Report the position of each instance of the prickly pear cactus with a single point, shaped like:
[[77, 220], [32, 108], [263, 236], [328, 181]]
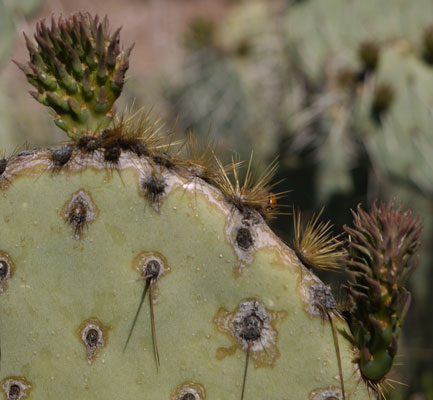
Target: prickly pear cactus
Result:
[[129, 272]]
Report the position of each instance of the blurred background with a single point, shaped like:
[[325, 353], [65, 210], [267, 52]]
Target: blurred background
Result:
[[340, 90]]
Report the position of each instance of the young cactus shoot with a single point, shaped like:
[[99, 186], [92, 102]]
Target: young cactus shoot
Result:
[[78, 69]]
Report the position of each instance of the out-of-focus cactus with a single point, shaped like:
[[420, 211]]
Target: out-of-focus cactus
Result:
[[209, 96], [401, 146], [330, 34], [387, 69]]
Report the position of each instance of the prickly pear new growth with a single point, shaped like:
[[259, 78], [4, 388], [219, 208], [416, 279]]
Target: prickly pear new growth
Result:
[[75, 268], [78, 70], [381, 246]]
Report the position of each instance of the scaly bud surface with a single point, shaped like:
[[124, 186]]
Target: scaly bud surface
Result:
[[78, 69], [381, 245]]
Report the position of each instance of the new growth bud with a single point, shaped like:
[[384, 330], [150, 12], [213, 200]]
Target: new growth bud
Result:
[[78, 70], [381, 247]]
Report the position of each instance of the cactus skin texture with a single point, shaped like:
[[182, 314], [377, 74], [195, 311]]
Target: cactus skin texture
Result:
[[128, 272], [381, 245], [83, 272]]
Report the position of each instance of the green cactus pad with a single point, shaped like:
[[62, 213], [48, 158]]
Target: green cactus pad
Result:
[[76, 242]]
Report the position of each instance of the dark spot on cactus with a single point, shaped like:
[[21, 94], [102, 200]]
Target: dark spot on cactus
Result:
[[139, 148], [89, 143], [93, 334], [151, 266], [6, 270], [250, 327], [3, 165], [115, 140], [164, 160], [237, 201], [14, 392], [25, 153], [249, 330], [61, 156], [15, 388], [189, 391], [198, 172], [153, 269], [77, 216], [79, 212], [244, 239], [324, 304], [92, 337], [249, 218], [329, 393], [112, 154], [322, 299], [154, 188]]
